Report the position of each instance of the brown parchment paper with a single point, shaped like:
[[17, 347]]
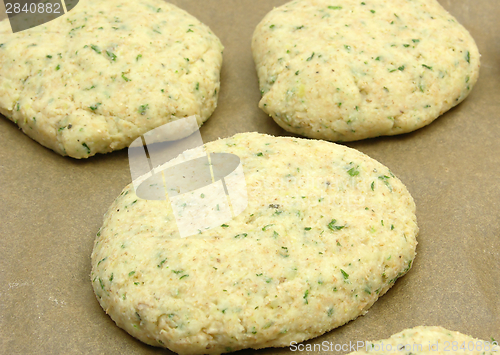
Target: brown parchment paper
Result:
[[51, 208]]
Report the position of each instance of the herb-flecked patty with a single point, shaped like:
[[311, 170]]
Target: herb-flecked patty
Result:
[[327, 231], [349, 70], [94, 80]]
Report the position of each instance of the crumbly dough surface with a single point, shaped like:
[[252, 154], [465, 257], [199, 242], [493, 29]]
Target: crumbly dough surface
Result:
[[429, 341], [327, 231], [97, 78], [349, 70]]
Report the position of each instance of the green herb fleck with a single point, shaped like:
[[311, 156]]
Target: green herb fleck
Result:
[[95, 107], [401, 68], [161, 263], [335, 7], [415, 40], [344, 274], [307, 228], [58, 66], [311, 57], [138, 57], [49, 56], [183, 276], [131, 273], [95, 48], [467, 57], [260, 154], [329, 313], [332, 225], [426, 66], [143, 109], [406, 45], [353, 171], [86, 147], [125, 78], [224, 225], [372, 11], [272, 26], [111, 55], [306, 294], [265, 227]]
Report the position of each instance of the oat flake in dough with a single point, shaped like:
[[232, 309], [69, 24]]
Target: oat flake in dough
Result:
[[349, 70], [327, 231], [94, 80]]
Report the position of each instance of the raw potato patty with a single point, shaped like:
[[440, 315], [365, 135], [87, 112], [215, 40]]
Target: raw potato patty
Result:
[[97, 78], [429, 341], [349, 70], [327, 231]]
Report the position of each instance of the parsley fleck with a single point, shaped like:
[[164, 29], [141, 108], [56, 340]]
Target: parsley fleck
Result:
[[143, 109], [111, 55], [95, 107], [125, 78], [95, 48], [265, 227], [86, 147], [311, 57], [334, 227], [426, 66], [335, 7], [353, 172], [344, 274]]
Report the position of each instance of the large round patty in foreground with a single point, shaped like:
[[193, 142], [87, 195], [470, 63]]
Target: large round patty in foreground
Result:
[[327, 231], [94, 80], [349, 70], [429, 341]]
